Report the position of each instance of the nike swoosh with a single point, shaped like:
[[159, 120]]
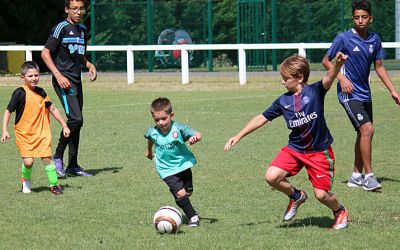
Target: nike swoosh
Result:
[[320, 176], [287, 106]]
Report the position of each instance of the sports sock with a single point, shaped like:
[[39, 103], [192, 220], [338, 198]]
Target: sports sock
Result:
[[26, 172], [341, 208], [356, 175], [368, 175], [51, 174], [296, 195], [186, 206]]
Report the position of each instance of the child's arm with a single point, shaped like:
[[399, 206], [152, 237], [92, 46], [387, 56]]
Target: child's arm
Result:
[[384, 76], [195, 138], [149, 150], [255, 123], [54, 111], [333, 71], [48, 60], [6, 119], [345, 84], [91, 68]]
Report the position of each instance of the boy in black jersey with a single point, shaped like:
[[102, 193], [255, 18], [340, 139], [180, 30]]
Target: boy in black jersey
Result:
[[64, 55]]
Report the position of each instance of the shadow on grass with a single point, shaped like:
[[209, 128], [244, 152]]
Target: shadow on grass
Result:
[[207, 220], [94, 172], [322, 222], [383, 179], [47, 189]]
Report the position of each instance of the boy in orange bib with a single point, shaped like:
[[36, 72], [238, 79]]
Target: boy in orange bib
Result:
[[32, 126]]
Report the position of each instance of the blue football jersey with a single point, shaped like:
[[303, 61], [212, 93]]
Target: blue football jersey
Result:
[[172, 156], [304, 115], [361, 54]]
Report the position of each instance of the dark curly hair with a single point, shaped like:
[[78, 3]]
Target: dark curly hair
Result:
[[362, 5]]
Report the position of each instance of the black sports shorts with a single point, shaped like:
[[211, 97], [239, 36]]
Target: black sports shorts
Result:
[[179, 181], [358, 112]]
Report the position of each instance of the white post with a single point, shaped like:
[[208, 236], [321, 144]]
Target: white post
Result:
[[397, 27], [302, 50], [185, 66], [130, 66], [242, 66], [28, 54]]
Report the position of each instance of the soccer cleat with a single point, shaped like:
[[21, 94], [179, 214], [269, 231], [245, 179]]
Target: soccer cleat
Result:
[[56, 190], [26, 186], [371, 184], [60, 168], [194, 221], [342, 219], [77, 171], [355, 182], [291, 209]]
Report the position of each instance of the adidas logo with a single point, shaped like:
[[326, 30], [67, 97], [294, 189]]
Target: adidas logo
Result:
[[72, 33], [356, 49]]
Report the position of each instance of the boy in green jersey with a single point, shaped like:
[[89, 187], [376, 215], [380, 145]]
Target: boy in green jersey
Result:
[[173, 159]]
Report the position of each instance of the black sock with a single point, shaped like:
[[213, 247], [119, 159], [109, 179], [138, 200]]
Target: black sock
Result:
[[296, 195], [186, 206], [341, 208]]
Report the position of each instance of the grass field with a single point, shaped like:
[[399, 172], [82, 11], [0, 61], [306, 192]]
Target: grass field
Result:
[[114, 209]]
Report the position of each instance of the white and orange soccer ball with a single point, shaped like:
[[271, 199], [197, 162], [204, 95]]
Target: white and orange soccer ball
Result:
[[167, 220]]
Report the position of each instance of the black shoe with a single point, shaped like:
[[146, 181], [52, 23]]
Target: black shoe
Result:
[[77, 171], [56, 190]]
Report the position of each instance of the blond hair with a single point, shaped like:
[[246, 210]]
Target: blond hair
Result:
[[295, 66]]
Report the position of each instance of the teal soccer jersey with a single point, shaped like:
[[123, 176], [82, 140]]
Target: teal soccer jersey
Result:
[[172, 156]]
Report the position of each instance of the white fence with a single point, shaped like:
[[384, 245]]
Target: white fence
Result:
[[241, 48]]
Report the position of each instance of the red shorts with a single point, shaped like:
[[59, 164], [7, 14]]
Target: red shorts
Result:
[[319, 165]]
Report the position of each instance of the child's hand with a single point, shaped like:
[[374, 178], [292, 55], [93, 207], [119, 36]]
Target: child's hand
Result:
[[192, 140], [230, 143], [66, 131], [93, 73], [5, 137], [149, 155], [340, 59]]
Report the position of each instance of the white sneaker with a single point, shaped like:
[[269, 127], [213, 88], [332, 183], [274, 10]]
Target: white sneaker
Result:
[[371, 184], [355, 182], [26, 186], [194, 221]]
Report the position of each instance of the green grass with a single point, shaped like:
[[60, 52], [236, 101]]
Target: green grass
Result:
[[114, 209]]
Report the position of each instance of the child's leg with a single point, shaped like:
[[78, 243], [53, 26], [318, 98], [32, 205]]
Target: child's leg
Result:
[[27, 168], [27, 174], [181, 186], [327, 198], [50, 169], [276, 178], [183, 201], [286, 163]]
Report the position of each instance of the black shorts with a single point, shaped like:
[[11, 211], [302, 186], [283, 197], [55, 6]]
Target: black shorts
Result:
[[358, 112], [179, 181]]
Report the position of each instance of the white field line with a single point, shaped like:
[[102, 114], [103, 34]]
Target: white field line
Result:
[[185, 101]]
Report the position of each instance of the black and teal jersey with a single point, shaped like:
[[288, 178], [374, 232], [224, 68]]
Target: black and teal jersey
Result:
[[67, 44]]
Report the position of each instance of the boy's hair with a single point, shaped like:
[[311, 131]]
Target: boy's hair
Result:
[[68, 1], [294, 66], [27, 66], [362, 5], [161, 104]]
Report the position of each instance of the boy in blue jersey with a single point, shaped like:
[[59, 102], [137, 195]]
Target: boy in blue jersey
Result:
[[309, 142], [363, 48], [173, 159], [64, 55]]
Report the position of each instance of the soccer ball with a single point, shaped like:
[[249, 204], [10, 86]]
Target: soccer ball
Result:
[[167, 220]]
